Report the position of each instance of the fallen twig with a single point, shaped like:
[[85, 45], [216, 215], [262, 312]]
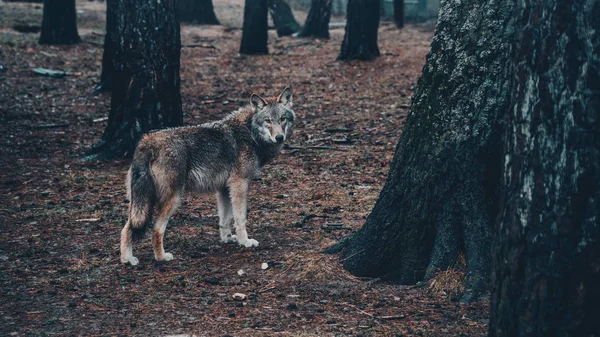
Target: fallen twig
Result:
[[335, 130], [331, 226], [50, 126], [101, 119], [200, 45], [88, 220], [314, 147]]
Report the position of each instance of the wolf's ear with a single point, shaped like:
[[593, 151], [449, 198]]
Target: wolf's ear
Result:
[[285, 97], [257, 102]]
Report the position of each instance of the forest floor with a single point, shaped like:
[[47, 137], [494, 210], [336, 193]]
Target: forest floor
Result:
[[60, 217]]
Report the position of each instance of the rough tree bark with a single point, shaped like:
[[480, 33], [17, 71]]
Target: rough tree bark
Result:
[[59, 23], [283, 18], [110, 41], [317, 22], [199, 12], [441, 195], [362, 23], [255, 30], [146, 83], [399, 13], [546, 279]]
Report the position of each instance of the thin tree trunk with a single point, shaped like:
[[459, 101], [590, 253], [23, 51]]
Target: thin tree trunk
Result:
[[360, 39], [110, 41], [546, 279], [317, 22], [146, 83], [399, 13], [59, 23], [441, 195], [201, 12], [255, 30], [283, 18]]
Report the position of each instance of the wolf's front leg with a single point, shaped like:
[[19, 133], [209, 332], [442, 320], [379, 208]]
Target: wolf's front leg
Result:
[[239, 200], [225, 216]]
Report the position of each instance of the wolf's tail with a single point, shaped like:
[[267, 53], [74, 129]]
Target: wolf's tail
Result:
[[142, 195]]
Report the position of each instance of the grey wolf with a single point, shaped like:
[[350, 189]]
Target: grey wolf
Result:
[[220, 157]]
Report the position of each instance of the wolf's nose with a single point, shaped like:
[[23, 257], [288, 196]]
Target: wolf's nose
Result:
[[279, 138]]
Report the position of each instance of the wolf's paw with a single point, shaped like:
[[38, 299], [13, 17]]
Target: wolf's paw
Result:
[[249, 243], [132, 260], [166, 257], [229, 239]]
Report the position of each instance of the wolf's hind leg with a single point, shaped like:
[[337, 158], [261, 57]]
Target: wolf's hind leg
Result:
[[165, 210], [225, 215], [126, 246], [239, 201]]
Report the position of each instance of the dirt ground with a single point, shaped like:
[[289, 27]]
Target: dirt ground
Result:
[[60, 217]]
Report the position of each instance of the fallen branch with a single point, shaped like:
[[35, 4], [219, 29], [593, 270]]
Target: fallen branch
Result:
[[336, 130], [50, 126], [314, 147], [200, 45], [330, 226], [88, 220]]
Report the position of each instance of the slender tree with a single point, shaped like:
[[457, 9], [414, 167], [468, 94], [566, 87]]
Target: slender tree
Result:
[[199, 12], [110, 41], [362, 23], [283, 17], [442, 192], [59, 23], [255, 31], [146, 83], [317, 22], [399, 13], [546, 279]]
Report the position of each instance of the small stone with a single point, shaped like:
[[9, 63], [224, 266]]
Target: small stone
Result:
[[239, 296], [323, 301], [264, 266], [240, 272]]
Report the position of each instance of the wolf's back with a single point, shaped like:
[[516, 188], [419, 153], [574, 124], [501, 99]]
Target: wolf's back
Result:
[[142, 193]]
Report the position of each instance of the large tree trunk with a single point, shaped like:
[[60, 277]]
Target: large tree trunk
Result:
[[362, 23], [317, 22], [546, 279], [59, 23], [146, 94], [110, 41], [399, 13], [283, 18], [199, 12], [441, 195], [255, 31]]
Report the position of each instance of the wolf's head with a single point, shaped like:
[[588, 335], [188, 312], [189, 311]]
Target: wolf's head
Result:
[[273, 117]]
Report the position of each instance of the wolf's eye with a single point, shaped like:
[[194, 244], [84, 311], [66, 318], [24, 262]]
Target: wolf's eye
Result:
[[268, 120], [282, 119]]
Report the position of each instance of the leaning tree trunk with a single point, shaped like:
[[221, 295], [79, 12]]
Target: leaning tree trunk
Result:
[[362, 23], [546, 279], [317, 22], [255, 31], [59, 23], [110, 41], [146, 92], [283, 17], [399, 13], [441, 195], [199, 12]]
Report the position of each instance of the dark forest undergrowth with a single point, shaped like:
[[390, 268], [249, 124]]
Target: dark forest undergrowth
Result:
[[60, 218]]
